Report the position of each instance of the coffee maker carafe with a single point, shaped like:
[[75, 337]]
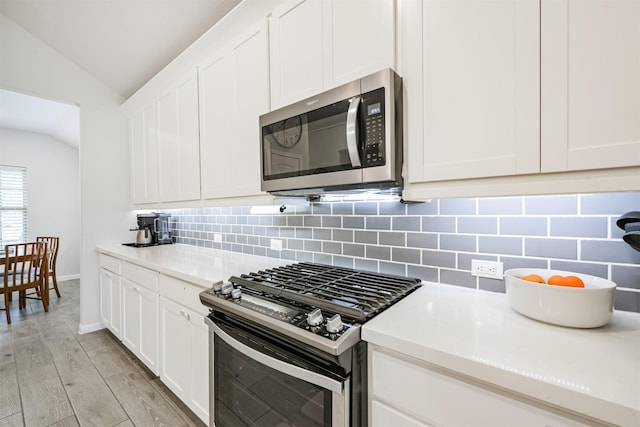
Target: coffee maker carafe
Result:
[[146, 229]]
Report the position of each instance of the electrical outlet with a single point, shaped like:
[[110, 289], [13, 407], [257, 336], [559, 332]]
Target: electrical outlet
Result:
[[276, 244], [490, 269], [217, 238]]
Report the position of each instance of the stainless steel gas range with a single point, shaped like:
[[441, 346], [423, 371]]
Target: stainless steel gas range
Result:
[[285, 347]]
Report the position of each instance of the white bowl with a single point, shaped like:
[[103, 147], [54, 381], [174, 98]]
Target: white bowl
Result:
[[588, 307]]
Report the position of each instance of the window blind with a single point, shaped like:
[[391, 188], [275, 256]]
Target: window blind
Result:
[[13, 205]]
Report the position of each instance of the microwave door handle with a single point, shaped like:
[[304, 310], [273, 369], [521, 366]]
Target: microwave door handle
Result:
[[352, 140]]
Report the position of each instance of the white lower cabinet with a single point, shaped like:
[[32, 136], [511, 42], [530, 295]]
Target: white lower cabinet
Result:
[[161, 320], [184, 351], [110, 294], [111, 301], [406, 392], [140, 314]]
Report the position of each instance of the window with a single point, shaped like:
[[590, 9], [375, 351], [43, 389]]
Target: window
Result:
[[13, 205]]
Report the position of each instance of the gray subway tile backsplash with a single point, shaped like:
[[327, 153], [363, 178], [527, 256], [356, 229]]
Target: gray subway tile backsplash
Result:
[[550, 248], [437, 240], [523, 226], [579, 227], [551, 205], [605, 204]]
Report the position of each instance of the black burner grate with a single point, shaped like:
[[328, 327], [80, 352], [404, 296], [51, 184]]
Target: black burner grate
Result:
[[354, 294]]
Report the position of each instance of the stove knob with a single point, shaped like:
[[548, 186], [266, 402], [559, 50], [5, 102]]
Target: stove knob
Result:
[[227, 288], [314, 318], [236, 294], [217, 287], [334, 324]]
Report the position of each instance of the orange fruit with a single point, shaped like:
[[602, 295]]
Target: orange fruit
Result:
[[574, 282], [556, 280], [533, 278], [569, 281]]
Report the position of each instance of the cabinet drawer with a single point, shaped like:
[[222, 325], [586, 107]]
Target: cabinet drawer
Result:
[[109, 263], [141, 276], [183, 293], [435, 398]]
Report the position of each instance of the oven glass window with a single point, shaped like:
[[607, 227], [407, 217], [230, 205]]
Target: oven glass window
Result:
[[248, 393]]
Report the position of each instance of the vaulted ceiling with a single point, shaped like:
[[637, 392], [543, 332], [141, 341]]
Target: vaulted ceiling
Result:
[[122, 43]]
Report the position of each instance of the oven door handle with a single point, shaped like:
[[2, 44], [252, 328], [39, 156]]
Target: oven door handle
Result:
[[278, 365]]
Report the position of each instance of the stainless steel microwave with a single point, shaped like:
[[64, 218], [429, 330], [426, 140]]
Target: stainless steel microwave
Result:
[[346, 139]]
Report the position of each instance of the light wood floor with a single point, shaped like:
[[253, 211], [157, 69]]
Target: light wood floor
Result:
[[51, 376]]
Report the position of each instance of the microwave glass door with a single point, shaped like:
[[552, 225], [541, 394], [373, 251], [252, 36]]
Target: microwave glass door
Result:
[[327, 139]]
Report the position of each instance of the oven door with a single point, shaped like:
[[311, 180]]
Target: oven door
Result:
[[255, 383]]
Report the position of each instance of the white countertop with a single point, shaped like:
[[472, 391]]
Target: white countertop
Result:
[[200, 266], [595, 372]]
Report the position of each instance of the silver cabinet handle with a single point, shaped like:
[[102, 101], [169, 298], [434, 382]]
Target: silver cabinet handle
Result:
[[278, 365], [352, 140]]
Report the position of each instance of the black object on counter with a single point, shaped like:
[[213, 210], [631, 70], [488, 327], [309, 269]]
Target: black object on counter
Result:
[[630, 223]]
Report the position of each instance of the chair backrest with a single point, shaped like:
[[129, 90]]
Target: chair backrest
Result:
[[24, 265], [52, 247]]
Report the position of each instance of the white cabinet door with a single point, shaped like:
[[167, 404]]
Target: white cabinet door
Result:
[[130, 316], [234, 91], [178, 142], [215, 129], [174, 347], [199, 395], [140, 323], [384, 416], [144, 156], [250, 99], [149, 338], [472, 87], [296, 51], [590, 84], [184, 354], [116, 306], [105, 297], [317, 45], [359, 39]]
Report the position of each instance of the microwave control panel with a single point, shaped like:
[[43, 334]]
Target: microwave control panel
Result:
[[374, 128]]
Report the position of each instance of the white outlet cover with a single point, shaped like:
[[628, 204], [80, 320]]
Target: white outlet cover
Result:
[[217, 238], [276, 244]]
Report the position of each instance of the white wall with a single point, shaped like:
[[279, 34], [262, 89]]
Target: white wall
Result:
[[53, 188], [30, 66]]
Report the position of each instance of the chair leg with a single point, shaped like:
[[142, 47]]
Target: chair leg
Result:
[[6, 307], [55, 282]]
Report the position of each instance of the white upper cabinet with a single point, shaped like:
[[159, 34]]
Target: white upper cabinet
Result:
[[234, 92], [296, 54], [471, 76], [360, 39], [316, 45], [178, 142], [526, 90], [590, 84], [144, 156]]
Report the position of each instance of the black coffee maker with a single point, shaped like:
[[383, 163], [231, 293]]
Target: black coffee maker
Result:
[[146, 229]]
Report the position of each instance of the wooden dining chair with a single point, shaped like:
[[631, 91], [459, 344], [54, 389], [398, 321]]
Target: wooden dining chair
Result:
[[25, 267], [52, 249]]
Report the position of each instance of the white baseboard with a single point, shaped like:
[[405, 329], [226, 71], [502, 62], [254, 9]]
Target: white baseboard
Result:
[[85, 329], [68, 277]]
